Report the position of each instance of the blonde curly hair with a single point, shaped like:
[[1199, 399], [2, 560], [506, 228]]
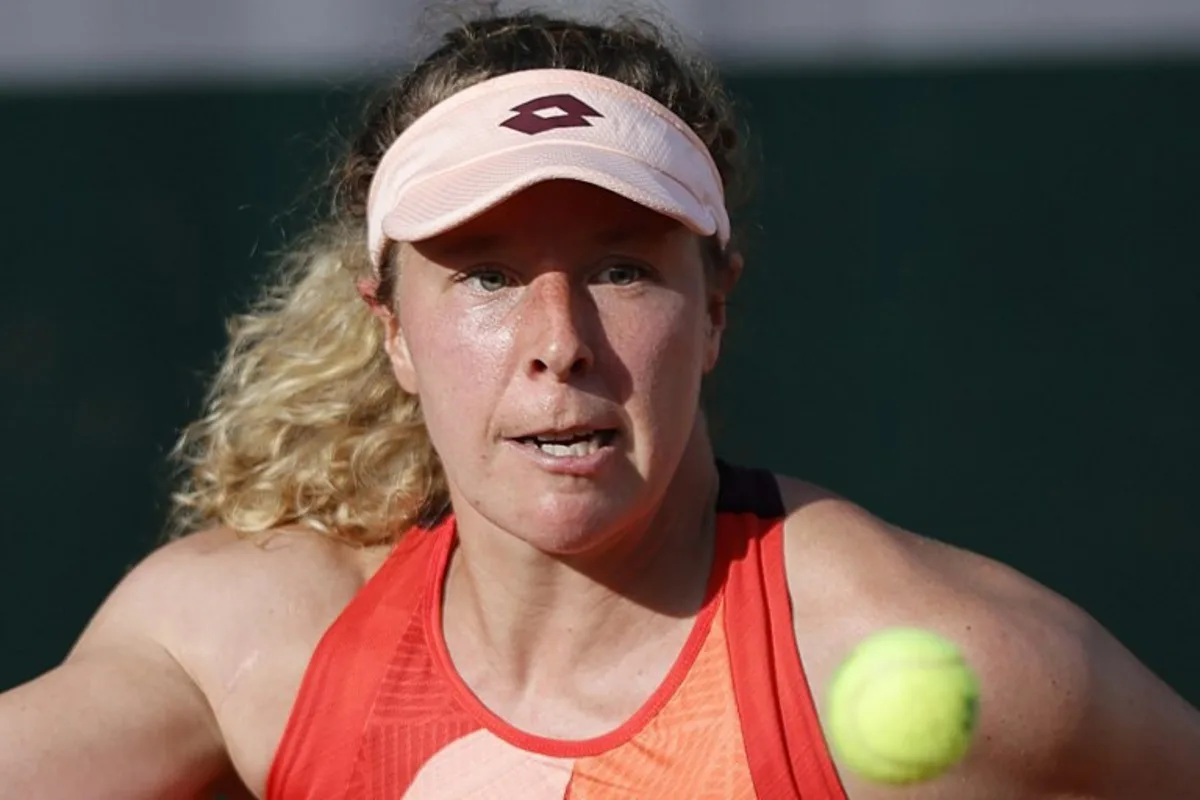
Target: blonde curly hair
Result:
[[304, 423]]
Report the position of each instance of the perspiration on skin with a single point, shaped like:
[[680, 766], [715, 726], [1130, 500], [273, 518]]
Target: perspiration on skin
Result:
[[575, 582]]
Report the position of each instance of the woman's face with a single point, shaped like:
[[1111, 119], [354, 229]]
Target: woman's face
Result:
[[557, 344]]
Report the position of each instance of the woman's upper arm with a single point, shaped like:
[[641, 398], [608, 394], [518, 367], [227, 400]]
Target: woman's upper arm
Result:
[[120, 717], [119, 723], [1135, 737]]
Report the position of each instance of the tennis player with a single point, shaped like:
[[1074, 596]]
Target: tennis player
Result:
[[454, 527]]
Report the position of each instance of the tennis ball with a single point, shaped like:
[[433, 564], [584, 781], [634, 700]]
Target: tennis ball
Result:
[[902, 707]]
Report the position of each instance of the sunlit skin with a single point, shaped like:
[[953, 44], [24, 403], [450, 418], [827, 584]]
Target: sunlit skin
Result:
[[566, 309], [573, 588]]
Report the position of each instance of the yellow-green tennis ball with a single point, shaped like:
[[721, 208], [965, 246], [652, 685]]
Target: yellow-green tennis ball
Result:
[[903, 707]]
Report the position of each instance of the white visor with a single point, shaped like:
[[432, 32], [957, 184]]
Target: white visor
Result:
[[492, 140]]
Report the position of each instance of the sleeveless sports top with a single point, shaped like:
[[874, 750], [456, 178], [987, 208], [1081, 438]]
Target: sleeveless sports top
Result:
[[381, 712]]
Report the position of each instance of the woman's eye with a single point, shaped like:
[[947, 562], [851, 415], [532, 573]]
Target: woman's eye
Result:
[[622, 274], [489, 280]]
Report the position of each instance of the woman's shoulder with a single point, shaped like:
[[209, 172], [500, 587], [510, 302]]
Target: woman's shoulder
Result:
[[214, 597], [850, 573]]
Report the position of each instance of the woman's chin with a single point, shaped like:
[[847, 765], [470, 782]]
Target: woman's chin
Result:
[[572, 524]]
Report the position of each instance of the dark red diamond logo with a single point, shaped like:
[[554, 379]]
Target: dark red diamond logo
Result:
[[550, 113]]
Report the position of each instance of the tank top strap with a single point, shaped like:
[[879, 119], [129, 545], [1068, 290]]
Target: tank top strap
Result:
[[785, 745], [315, 757]]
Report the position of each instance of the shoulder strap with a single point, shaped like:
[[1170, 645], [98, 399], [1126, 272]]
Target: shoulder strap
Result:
[[748, 491], [785, 745], [316, 755]]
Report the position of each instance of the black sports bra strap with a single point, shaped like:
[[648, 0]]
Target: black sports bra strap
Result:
[[748, 491]]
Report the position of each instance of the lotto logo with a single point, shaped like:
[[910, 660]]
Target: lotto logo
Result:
[[550, 113]]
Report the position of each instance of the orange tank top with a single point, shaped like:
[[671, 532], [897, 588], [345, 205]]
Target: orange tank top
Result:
[[381, 712]]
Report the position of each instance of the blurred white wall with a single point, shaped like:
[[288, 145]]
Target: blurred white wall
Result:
[[73, 41]]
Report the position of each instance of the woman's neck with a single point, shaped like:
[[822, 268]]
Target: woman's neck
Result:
[[535, 618]]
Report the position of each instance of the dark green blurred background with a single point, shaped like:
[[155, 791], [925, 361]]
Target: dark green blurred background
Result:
[[971, 305]]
